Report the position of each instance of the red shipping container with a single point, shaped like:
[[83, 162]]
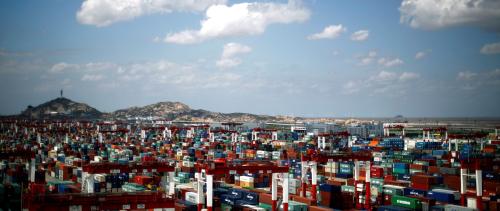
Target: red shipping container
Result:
[[387, 199], [377, 172], [304, 200], [143, 180], [433, 169], [316, 208], [417, 167], [265, 198], [422, 182], [325, 198]]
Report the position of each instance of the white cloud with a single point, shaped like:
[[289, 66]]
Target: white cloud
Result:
[[390, 62], [330, 32], [481, 80], [105, 12], [422, 54], [465, 76], [487, 80], [360, 35], [92, 77], [431, 14], [491, 48], [383, 61], [62, 66], [369, 58], [351, 87], [384, 76], [241, 19], [408, 76], [231, 50], [384, 81], [66, 81]]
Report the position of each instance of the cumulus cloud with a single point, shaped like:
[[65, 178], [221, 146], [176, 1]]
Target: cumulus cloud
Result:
[[382, 82], [62, 66], [489, 80], [466, 76], [351, 87], [422, 54], [491, 48], [231, 50], [390, 62], [92, 77], [106, 12], [360, 35], [431, 14], [157, 73], [368, 59], [241, 19], [373, 56], [384, 76], [408, 76], [329, 32]]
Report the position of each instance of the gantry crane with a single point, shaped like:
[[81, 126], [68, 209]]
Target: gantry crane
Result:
[[310, 161], [209, 169]]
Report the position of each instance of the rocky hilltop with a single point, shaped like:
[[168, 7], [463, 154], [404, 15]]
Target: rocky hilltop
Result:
[[182, 112], [61, 108], [66, 108]]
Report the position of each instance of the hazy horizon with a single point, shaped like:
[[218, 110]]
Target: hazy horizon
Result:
[[341, 58], [335, 117]]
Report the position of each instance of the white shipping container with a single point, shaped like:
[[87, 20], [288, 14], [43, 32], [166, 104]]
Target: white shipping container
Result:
[[262, 154], [100, 177], [97, 158], [471, 202], [192, 197], [451, 207], [294, 183], [331, 167], [187, 163], [255, 208], [75, 208], [246, 179]]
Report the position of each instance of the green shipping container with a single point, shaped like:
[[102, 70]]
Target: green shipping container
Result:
[[226, 207], [413, 171], [268, 207], [296, 206], [346, 171], [347, 188], [406, 202], [400, 171], [377, 181], [393, 190], [420, 162]]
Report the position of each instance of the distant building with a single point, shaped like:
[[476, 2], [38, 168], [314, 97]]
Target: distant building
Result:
[[366, 130]]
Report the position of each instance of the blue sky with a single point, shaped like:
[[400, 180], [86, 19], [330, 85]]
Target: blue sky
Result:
[[302, 58]]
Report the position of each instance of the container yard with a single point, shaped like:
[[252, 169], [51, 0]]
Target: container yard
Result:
[[249, 105], [161, 165]]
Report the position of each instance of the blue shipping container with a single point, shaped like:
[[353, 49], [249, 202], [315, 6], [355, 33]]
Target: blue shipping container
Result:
[[414, 192], [441, 196]]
